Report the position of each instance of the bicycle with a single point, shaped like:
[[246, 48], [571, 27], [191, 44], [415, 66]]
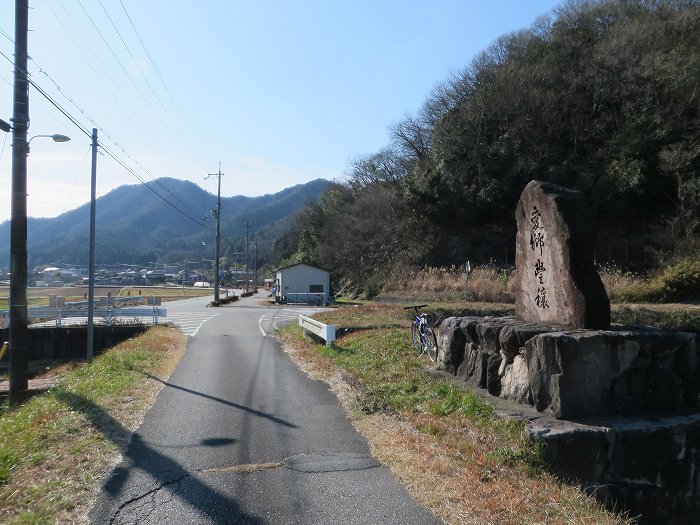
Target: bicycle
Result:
[[422, 335]]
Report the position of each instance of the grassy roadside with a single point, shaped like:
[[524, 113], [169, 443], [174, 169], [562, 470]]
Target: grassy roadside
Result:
[[56, 449], [440, 441], [666, 316]]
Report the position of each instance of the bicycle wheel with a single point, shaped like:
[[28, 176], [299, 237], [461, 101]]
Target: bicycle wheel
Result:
[[416, 338], [430, 346]]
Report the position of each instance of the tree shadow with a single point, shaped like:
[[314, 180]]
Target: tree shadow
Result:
[[168, 474]]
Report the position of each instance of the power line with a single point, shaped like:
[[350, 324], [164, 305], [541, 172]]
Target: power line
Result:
[[130, 170], [4, 143], [126, 72], [155, 68], [36, 103], [60, 108], [110, 138], [47, 97], [145, 78], [89, 63], [75, 182], [140, 128], [74, 121], [3, 33], [77, 124]]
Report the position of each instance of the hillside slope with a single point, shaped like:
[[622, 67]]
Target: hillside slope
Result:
[[134, 225]]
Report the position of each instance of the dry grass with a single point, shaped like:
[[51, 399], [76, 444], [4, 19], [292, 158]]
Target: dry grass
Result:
[[166, 293], [618, 281], [58, 450], [485, 283], [671, 283], [40, 296], [466, 470], [466, 486]]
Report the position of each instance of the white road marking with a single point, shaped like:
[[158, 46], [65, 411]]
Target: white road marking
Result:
[[272, 319], [189, 323]]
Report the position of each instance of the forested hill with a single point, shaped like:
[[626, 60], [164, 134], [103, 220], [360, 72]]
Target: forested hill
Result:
[[600, 96], [134, 225]]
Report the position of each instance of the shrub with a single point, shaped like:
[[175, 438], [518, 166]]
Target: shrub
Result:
[[675, 282], [680, 281]]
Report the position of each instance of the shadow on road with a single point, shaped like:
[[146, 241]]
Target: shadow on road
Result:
[[249, 410], [168, 474]]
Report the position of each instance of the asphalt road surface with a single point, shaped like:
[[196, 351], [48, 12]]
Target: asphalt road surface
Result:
[[239, 435]]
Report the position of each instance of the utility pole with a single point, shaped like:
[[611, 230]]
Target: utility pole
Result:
[[247, 259], [218, 233], [91, 270], [255, 266], [18, 227]]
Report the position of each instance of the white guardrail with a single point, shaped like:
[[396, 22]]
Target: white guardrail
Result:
[[43, 313], [324, 331]]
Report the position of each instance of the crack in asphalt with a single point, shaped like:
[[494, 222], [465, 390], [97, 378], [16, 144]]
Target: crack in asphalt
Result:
[[150, 493], [303, 463]]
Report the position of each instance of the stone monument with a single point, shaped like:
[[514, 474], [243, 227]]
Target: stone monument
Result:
[[629, 395], [555, 280]]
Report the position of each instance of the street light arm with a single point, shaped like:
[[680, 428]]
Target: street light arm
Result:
[[56, 137]]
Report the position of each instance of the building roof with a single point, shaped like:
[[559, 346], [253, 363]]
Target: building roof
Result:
[[300, 264]]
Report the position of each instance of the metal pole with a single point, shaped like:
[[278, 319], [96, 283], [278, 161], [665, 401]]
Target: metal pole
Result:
[[218, 237], [467, 270], [91, 271], [247, 259], [18, 229], [184, 281]]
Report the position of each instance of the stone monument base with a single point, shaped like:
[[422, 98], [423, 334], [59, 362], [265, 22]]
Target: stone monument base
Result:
[[626, 371], [617, 409]]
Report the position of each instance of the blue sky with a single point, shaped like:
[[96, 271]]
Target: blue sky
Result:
[[281, 92]]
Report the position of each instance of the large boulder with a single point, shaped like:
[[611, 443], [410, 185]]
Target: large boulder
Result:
[[603, 373], [515, 382], [451, 343]]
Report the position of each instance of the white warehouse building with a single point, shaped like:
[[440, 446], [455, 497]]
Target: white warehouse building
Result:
[[302, 283]]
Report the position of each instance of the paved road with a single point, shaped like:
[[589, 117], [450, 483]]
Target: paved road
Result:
[[239, 435]]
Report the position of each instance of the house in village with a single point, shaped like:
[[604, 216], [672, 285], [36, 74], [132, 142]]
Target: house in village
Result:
[[302, 283]]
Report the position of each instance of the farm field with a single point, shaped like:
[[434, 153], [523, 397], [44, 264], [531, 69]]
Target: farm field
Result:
[[40, 296]]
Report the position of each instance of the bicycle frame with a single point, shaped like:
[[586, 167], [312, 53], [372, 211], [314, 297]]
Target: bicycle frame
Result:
[[424, 340]]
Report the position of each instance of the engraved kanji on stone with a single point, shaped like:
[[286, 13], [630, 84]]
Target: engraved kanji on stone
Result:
[[541, 298], [537, 241], [535, 218], [539, 270]]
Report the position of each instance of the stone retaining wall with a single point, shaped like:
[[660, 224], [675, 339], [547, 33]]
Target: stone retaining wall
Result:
[[574, 373], [617, 408], [648, 467]]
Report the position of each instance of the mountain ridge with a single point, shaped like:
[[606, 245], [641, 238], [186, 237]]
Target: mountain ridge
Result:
[[134, 225]]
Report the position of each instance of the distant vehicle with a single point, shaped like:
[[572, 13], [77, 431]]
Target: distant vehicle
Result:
[[202, 284]]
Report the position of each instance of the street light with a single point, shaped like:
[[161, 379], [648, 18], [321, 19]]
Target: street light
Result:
[[55, 137], [18, 256]]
